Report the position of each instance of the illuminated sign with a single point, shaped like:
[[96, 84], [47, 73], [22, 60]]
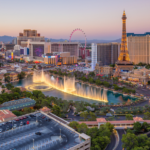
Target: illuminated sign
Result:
[[12, 55]]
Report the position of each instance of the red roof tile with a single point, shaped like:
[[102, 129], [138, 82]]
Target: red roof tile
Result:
[[121, 122], [101, 119], [89, 122], [4, 114], [137, 119]]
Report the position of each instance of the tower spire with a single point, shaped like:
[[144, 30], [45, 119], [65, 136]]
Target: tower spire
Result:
[[124, 54], [123, 63]]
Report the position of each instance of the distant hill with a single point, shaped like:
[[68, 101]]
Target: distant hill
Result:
[[7, 39], [88, 41]]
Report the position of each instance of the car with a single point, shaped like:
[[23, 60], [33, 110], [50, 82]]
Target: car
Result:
[[21, 118], [32, 115], [109, 115], [24, 123], [28, 122], [43, 117], [15, 125], [38, 133], [21, 123], [17, 119], [25, 117], [7, 128], [1, 130]]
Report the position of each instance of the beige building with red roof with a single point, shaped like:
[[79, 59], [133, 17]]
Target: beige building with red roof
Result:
[[45, 110], [6, 115], [118, 124]]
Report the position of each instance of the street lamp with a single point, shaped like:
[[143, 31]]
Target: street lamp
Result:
[[33, 143], [60, 133], [36, 117], [12, 124]]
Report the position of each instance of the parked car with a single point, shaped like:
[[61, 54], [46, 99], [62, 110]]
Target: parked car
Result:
[[7, 128], [109, 115], [48, 119], [32, 115], [15, 125], [21, 123], [1, 130], [38, 133]]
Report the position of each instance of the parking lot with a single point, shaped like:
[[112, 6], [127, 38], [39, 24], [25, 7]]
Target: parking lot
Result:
[[38, 131]]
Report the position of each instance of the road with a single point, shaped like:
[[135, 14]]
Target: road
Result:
[[120, 133], [113, 141], [111, 145], [77, 118]]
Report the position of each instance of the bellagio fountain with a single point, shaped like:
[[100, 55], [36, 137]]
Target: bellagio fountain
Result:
[[45, 82]]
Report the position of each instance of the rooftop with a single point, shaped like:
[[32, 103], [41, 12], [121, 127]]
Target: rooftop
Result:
[[132, 34], [18, 104], [5, 114], [54, 135]]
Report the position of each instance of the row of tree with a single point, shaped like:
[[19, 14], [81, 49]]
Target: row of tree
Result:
[[21, 75], [132, 140], [58, 106], [124, 89]]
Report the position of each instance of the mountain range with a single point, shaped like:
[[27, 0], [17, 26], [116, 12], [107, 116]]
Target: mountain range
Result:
[[8, 39]]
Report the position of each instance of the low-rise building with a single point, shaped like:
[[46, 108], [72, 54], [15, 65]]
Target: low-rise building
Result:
[[13, 76], [59, 58], [118, 124], [103, 70], [18, 104], [6, 115], [137, 75], [45, 110]]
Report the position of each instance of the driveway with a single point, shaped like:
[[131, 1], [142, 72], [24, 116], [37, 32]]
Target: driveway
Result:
[[111, 145], [120, 133]]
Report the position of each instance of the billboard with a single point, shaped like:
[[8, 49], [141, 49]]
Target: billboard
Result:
[[12, 55], [38, 50], [60, 59], [21, 51]]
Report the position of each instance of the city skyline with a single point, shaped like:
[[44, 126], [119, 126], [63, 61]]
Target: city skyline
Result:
[[98, 19]]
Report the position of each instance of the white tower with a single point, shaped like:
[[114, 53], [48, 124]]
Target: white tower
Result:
[[94, 56]]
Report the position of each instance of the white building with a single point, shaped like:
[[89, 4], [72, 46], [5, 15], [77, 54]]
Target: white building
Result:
[[94, 56]]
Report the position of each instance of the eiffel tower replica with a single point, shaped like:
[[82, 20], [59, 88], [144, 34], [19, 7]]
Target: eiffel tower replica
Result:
[[123, 63]]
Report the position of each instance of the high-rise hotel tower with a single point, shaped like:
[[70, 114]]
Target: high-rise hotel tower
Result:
[[139, 47]]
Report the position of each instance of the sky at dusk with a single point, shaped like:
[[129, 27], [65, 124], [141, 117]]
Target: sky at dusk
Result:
[[99, 19]]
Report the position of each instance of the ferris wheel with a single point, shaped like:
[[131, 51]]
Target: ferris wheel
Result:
[[78, 29]]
